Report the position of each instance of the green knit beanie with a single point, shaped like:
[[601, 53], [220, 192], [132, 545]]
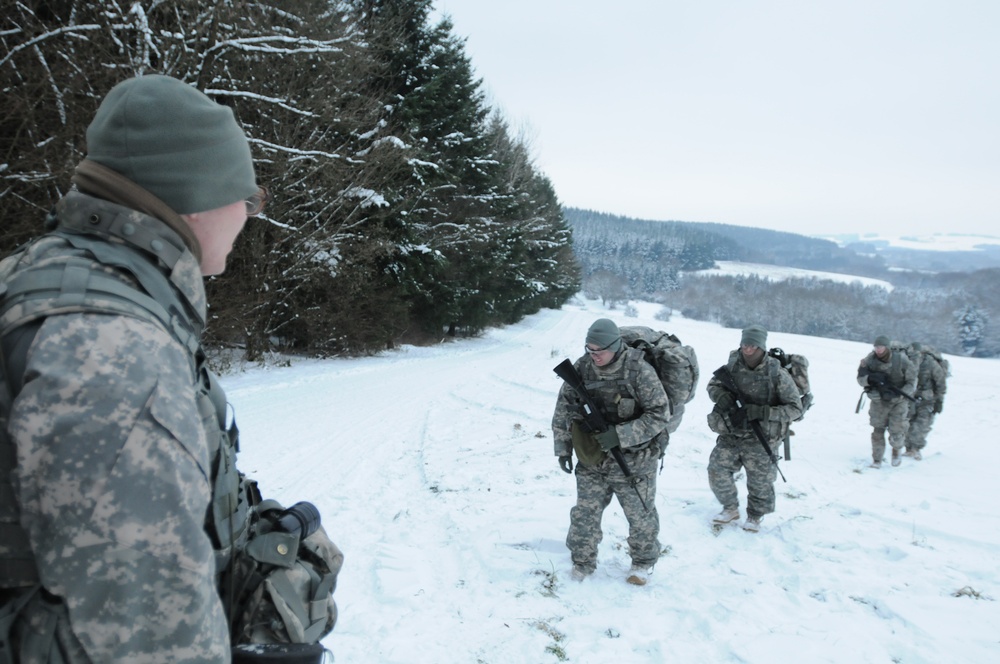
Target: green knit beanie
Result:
[[882, 340], [174, 142], [755, 335], [605, 334]]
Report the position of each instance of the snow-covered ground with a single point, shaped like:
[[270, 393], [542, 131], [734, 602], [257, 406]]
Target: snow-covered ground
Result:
[[780, 273], [434, 472]]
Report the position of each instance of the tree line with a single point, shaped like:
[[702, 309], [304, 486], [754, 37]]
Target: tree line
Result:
[[404, 207], [623, 259]]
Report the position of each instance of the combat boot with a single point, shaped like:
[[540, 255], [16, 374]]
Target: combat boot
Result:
[[897, 458], [727, 515], [639, 575]]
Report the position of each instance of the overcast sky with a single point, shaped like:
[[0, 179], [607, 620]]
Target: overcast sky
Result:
[[803, 115]]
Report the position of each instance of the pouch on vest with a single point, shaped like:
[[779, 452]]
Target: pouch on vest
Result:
[[284, 584], [588, 450]]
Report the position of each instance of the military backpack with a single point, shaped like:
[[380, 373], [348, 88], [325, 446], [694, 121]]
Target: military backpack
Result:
[[798, 367], [676, 366]]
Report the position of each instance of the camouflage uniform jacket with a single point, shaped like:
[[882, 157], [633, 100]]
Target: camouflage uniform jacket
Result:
[[115, 450], [900, 371], [931, 379], [630, 396], [766, 384]]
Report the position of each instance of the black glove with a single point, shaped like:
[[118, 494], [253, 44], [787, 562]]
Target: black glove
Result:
[[566, 463], [758, 412], [738, 417], [938, 405], [726, 402], [877, 379], [608, 439]]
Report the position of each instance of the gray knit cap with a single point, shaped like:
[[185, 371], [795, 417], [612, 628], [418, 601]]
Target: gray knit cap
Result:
[[603, 333], [755, 335], [174, 142], [882, 340]]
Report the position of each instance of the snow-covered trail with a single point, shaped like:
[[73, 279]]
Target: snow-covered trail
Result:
[[433, 470]]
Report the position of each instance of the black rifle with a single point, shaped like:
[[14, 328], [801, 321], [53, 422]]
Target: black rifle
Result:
[[593, 421], [885, 386], [724, 377]]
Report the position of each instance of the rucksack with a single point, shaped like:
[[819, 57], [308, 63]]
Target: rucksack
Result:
[[798, 367], [933, 352], [676, 366]]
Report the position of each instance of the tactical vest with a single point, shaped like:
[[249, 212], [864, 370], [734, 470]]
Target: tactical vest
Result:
[[770, 379], [110, 245], [611, 394], [895, 372]]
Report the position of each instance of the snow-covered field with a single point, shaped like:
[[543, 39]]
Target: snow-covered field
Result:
[[780, 273], [434, 471]]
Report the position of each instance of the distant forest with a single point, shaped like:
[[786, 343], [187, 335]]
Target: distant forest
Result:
[[623, 258]]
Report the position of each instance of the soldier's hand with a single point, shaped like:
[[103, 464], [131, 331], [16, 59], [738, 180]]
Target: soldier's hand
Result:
[[738, 417], [758, 412], [608, 439], [726, 402], [938, 405], [566, 463]]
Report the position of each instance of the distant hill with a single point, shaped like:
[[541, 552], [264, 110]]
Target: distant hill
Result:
[[599, 236], [866, 255], [943, 297]]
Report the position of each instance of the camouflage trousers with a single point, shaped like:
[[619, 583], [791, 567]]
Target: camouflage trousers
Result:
[[731, 454], [595, 485], [892, 415], [921, 419]]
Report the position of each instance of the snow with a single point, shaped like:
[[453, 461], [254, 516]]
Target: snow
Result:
[[434, 471], [781, 273]]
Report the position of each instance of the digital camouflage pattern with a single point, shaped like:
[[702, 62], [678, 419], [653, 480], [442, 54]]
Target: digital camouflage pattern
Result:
[[594, 488], [888, 410], [631, 396], [112, 479], [737, 446], [931, 389]]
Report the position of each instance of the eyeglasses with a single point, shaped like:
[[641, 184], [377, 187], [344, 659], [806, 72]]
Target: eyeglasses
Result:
[[255, 204], [594, 351]]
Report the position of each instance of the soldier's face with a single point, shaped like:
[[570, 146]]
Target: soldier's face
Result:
[[601, 357], [748, 350], [216, 231], [880, 350]]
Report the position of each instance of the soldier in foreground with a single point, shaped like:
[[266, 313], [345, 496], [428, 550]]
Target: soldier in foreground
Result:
[[631, 399], [751, 421], [889, 379], [121, 509]]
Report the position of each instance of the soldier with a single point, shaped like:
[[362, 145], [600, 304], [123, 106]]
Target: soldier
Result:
[[931, 388], [770, 399], [631, 398], [125, 499], [889, 379]]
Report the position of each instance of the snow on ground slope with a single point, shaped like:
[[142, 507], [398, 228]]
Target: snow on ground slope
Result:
[[780, 273], [434, 472]]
